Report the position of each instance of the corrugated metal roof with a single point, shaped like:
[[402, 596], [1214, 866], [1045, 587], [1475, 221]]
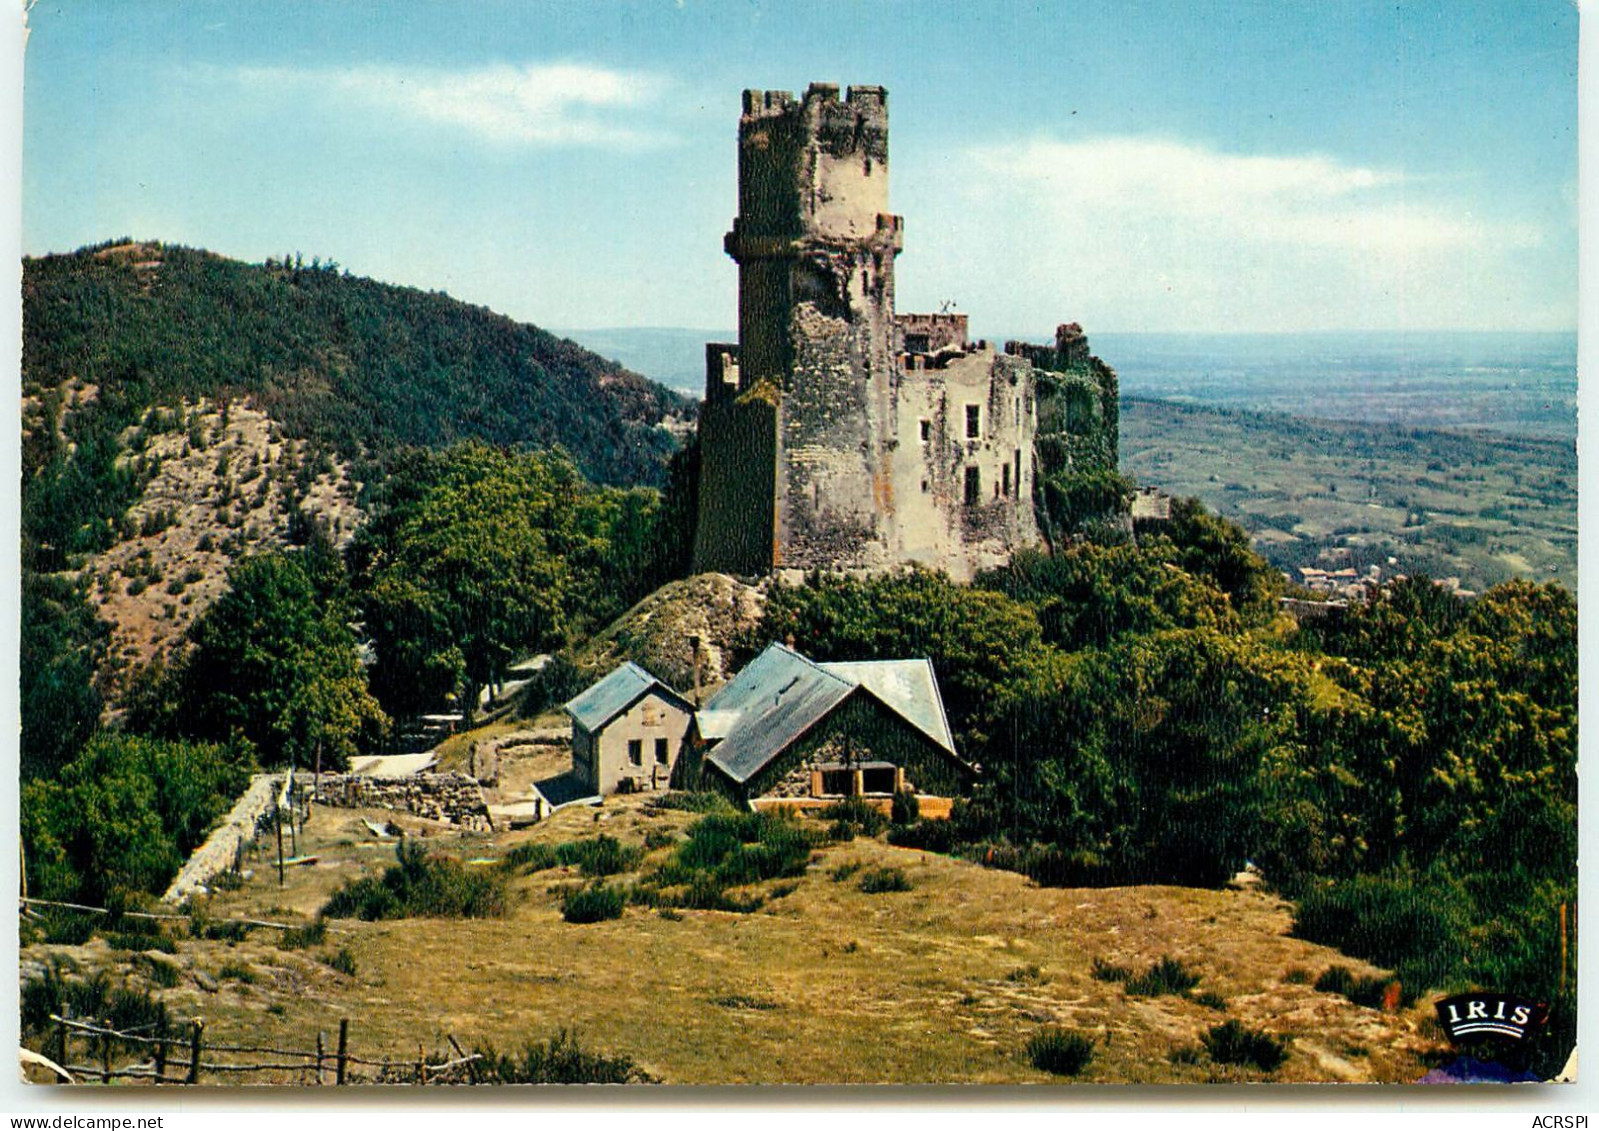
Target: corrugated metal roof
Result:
[[614, 694], [907, 687], [780, 695], [777, 697]]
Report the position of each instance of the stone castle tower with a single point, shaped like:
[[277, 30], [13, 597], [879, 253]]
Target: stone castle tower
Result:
[[836, 434]]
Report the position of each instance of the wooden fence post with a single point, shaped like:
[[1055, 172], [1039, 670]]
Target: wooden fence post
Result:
[[160, 1050], [61, 1034], [319, 1058], [344, 1048], [194, 1050]]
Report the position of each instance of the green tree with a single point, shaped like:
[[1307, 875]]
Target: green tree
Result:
[[123, 815], [274, 661], [63, 643], [1088, 595], [1210, 546], [476, 555]]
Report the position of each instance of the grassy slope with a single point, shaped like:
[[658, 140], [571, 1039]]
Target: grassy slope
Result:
[[1482, 506], [827, 984]]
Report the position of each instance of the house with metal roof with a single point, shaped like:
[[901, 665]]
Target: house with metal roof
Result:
[[627, 732], [790, 730]]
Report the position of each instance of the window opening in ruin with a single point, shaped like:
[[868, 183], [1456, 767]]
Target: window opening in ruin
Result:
[[1018, 473], [917, 343], [660, 751], [878, 779], [924, 486], [838, 783], [974, 486], [1005, 477], [927, 431], [974, 421], [635, 751]]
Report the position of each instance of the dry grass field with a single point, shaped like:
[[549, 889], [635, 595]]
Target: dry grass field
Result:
[[943, 983]]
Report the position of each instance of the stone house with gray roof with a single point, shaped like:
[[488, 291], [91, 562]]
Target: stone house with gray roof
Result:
[[790, 730], [627, 732]]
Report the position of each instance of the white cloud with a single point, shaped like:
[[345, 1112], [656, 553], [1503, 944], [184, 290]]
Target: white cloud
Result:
[[546, 104], [1138, 232]]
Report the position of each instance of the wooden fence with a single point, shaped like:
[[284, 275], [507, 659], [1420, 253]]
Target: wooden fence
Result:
[[182, 1056]]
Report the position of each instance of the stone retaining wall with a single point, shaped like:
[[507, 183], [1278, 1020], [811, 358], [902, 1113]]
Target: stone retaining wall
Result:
[[453, 797], [222, 849]]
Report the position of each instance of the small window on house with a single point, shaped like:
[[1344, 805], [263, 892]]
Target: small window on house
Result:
[[1005, 481], [878, 779], [838, 783], [974, 486], [974, 421], [660, 751], [635, 751], [927, 431]]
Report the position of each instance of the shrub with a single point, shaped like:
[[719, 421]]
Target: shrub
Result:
[[230, 930], [534, 856], [164, 972], [299, 938], [1298, 976], [1052, 867], [422, 886], [905, 809], [1059, 1051], [237, 971], [1210, 1000], [658, 838], [1108, 972], [593, 904], [1031, 974], [845, 870], [343, 961], [929, 836], [692, 802], [1394, 921], [68, 928], [883, 880], [598, 856], [121, 1008], [561, 1060], [1185, 1054], [1232, 1043], [129, 940], [1368, 992], [860, 817], [1168, 976]]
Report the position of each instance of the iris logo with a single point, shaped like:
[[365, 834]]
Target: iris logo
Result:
[[1477, 1016]]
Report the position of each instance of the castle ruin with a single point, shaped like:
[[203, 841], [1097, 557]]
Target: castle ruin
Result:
[[838, 434]]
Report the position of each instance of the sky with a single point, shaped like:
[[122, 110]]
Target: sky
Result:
[[1189, 166]]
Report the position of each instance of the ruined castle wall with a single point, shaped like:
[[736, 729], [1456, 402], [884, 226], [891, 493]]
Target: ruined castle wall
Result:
[[938, 526], [828, 500], [929, 333], [738, 459]]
